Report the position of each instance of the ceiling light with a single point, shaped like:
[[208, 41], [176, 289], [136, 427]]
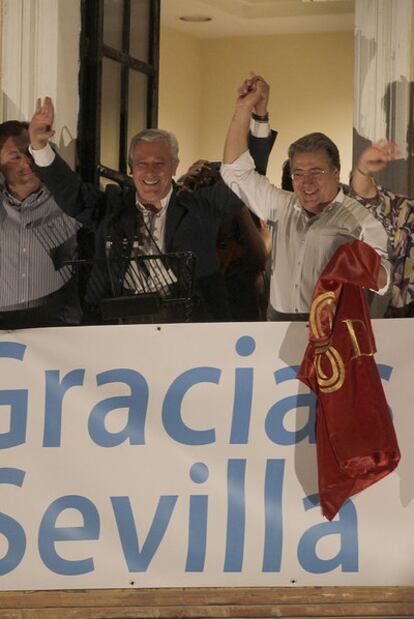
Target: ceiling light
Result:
[[196, 18]]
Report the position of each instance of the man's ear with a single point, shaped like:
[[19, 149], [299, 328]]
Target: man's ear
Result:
[[175, 167]]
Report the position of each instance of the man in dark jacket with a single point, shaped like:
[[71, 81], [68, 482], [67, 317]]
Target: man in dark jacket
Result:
[[171, 222]]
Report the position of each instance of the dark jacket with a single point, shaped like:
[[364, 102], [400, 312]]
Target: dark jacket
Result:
[[192, 223]]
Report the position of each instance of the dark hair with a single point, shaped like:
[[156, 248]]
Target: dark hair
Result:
[[286, 176], [12, 129], [312, 142]]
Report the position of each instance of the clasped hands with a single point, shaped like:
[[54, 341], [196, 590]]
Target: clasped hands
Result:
[[254, 93]]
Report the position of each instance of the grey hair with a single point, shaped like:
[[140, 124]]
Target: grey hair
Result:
[[312, 142], [153, 135]]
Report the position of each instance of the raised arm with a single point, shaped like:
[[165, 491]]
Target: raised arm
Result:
[[237, 171], [261, 137], [80, 200], [252, 92], [373, 159]]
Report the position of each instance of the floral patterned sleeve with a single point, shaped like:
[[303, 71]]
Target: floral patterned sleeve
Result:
[[396, 213]]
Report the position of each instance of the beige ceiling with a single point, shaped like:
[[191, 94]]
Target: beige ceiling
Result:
[[253, 17]]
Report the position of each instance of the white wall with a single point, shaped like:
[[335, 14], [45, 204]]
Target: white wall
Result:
[[40, 56]]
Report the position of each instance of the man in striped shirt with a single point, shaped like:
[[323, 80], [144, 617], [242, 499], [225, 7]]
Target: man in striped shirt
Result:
[[36, 238]]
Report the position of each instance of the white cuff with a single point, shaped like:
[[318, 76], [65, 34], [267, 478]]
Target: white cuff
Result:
[[259, 129], [387, 287], [43, 157]]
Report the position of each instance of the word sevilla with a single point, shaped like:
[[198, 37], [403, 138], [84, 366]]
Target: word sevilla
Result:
[[138, 555]]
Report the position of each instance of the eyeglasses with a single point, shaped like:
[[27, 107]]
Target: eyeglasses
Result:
[[314, 173]]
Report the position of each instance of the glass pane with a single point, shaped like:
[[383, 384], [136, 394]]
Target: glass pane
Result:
[[139, 30], [137, 103], [110, 117], [112, 26]]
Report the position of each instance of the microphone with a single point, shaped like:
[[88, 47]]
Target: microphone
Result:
[[108, 251], [108, 245]]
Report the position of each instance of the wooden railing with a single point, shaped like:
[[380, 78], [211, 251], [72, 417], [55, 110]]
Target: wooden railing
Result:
[[257, 602]]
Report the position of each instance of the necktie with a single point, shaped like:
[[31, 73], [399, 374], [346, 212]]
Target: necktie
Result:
[[146, 226], [150, 207]]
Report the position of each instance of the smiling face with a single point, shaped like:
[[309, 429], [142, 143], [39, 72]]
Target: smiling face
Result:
[[152, 167], [318, 189], [16, 167]]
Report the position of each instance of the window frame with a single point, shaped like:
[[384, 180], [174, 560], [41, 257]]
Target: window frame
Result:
[[92, 52]]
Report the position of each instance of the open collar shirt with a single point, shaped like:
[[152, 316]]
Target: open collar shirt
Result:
[[36, 237], [301, 244]]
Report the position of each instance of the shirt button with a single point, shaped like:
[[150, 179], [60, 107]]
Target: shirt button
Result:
[[23, 274], [24, 249]]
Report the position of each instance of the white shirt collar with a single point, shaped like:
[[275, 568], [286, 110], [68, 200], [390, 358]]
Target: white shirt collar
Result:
[[340, 196], [164, 203]]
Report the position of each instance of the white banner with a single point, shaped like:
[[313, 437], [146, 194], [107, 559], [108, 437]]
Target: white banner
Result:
[[184, 455]]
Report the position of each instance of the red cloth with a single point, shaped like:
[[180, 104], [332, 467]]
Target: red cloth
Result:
[[355, 438]]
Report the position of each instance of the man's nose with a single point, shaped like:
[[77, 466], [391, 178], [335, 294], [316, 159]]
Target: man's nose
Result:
[[152, 168]]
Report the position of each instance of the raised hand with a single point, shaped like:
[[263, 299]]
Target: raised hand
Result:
[[253, 94], [201, 173], [196, 167], [376, 157], [40, 128], [247, 85], [186, 181], [261, 105]]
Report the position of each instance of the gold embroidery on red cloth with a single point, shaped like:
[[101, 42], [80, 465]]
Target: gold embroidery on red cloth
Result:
[[330, 384], [322, 303], [354, 339]]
